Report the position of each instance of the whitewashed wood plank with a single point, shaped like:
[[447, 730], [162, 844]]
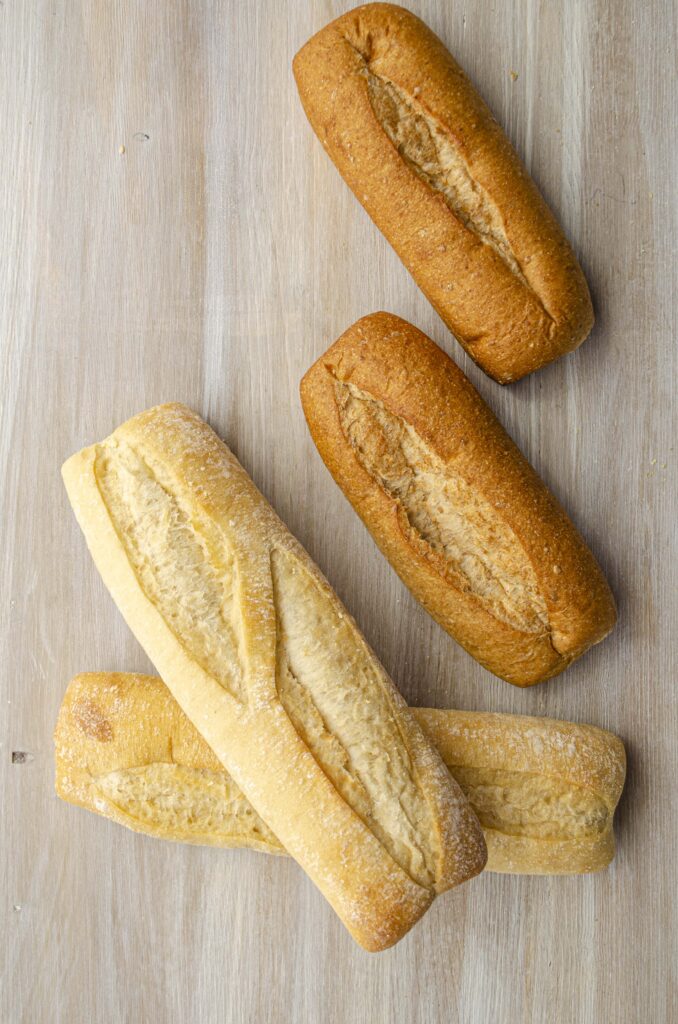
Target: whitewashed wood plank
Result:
[[211, 261]]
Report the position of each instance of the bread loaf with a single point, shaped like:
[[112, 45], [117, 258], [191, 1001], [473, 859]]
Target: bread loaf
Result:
[[545, 791], [272, 671], [425, 157], [458, 511]]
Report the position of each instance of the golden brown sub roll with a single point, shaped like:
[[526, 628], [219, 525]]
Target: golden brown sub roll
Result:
[[425, 157], [272, 670], [454, 506], [545, 791]]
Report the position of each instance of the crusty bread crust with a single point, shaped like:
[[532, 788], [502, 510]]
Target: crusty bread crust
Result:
[[386, 363], [113, 727], [526, 775], [424, 155], [545, 791], [270, 668]]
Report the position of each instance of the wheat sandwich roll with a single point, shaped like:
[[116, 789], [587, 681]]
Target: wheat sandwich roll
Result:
[[453, 504], [544, 791], [424, 155], [272, 671]]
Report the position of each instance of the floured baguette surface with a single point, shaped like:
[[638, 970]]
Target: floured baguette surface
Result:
[[544, 791], [273, 672], [460, 514], [425, 157], [125, 749]]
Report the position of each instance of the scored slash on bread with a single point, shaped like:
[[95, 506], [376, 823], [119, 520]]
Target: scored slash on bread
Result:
[[423, 154], [452, 503], [544, 791], [272, 670]]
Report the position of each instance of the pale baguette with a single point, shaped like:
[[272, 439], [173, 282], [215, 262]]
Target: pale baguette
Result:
[[544, 791], [423, 154], [455, 507], [273, 672]]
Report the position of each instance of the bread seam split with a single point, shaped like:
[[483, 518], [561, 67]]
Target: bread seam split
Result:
[[425, 876], [470, 778], [412, 484], [113, 452], [382, 89]]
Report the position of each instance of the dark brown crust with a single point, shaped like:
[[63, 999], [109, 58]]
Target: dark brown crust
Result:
[[507, 328], [398, 365]]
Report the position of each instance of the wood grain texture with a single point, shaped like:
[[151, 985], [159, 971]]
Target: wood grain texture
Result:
[[211, 262]]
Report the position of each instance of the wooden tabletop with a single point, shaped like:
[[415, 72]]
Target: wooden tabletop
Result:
[[171, 230]]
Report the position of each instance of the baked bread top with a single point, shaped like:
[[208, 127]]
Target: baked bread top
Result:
[[453, 504], [424, 155], [272, 670]]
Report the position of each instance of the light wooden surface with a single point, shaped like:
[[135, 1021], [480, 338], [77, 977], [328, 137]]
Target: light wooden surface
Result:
[[211, 262]]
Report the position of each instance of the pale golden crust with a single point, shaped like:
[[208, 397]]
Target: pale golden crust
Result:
[[510, 323], [250, 730], [581, 758], [110, 723], [393, 362], [115, 722]]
